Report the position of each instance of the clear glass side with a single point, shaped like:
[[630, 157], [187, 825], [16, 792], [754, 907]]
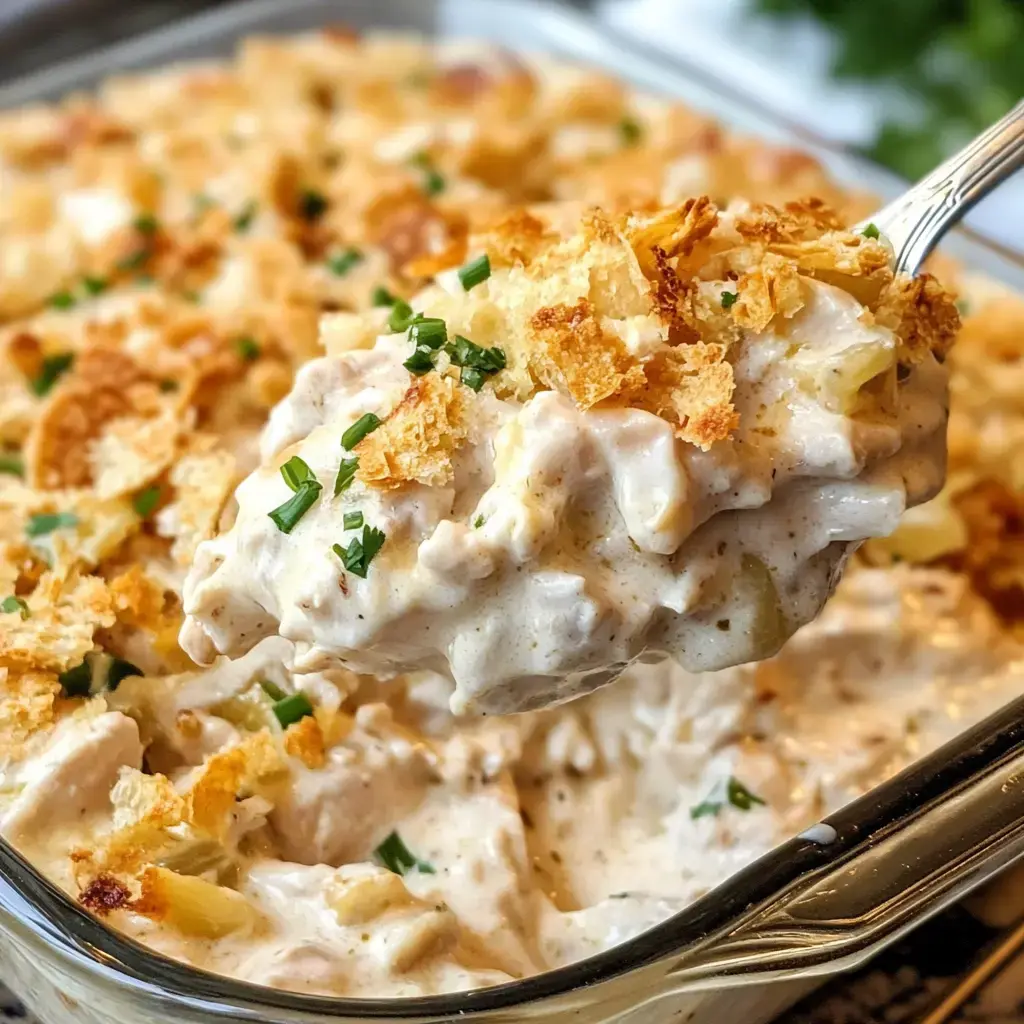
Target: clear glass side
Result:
[[742, 953]]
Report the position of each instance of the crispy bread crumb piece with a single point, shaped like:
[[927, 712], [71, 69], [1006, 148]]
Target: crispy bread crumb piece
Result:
[[774, 287], [691, 386], [416, 441], [571, 353]]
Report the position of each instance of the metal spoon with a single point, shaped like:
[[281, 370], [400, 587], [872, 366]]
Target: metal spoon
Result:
[[916, 221]]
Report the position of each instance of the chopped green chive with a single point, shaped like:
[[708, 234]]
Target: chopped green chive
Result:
[[77, 681], [13, 604], [312, 205], [168, 386], [420, 362], [272, 690], [95, 285], [134, 260], [475, 272], [477, 362], [146, 501], [119, 669], [201, 203], [429, 331], [191, 295], [401, 317], [360, 553], [963, 307], [433, 180], [292, 709], [286, 516], [12, 464], [42, 523], [478, 522], [464, 352], [394, 855], [871, 231], [248, 349], [630, 131], [346, 474], [741, 797], [296, 473], [366, 424], [244, 218], [52, 369], [146, 224], [380, 296], [728, 298], [352, 520], [61, 300], [733, 792], [343, 262]]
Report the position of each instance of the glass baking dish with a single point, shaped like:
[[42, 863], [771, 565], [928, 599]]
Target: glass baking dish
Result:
[[820, 903]]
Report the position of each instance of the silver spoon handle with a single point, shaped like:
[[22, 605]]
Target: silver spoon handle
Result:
[[916, 221]]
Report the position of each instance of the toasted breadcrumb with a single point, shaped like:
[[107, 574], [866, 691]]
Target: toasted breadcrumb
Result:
[[415, 442]]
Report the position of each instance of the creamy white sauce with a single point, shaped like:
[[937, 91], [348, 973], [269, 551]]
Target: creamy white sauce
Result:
[[556, 834], [571, 542]]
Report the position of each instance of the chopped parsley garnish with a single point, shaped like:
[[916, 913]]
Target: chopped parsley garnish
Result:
[[366, 424], [292, 709], [343, 262], [394, 855], [401, 317], [352, 520], [478, 522], [12, 464], [61, 300], [477, 362], [286, 516], [51, 370], [871, 231], [296, 472], [420, 362], [360, 553], [475, 272], [244, 218], [380, 296], [13, 604], [77, 681], [732, 792], [312, 205], [272, 690], [346, 474], [133, 261], [42, 523], [429, 331], [248, 349], [146, 501], [146, 224], [94, 285], [728, 298], [630, 131], [433, 181]]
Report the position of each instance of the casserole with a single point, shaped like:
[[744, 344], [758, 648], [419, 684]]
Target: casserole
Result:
[[608, 994]]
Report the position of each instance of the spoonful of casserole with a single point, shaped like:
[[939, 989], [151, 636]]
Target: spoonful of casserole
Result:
[[593, 438], [656, 433]]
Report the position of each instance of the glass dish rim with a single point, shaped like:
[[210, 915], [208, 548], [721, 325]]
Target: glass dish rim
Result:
[[56, 920]]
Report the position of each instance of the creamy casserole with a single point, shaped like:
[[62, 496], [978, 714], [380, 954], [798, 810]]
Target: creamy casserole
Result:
[[173, 251]]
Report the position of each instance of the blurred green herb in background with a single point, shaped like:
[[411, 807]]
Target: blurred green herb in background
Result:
[[960, 61]]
